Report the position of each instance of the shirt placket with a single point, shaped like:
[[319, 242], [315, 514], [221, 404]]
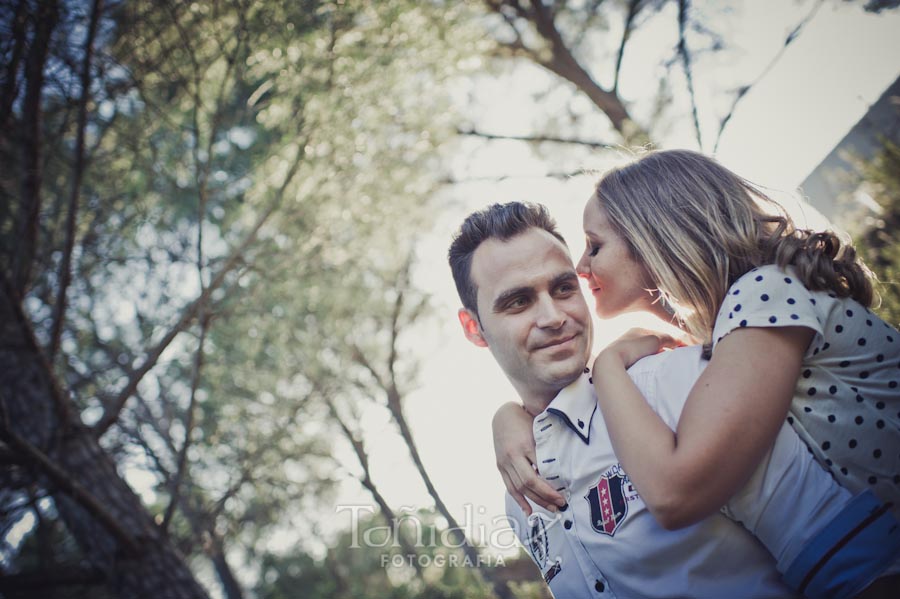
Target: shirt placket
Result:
[[551, 464]]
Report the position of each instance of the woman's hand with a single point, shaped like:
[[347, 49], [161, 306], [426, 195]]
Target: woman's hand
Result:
[[636, 344], [515, 452], [730, 419]]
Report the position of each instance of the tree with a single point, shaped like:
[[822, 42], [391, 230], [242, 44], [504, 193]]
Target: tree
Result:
[[218, 191], [880, 244], [352, 568], [587, 45]]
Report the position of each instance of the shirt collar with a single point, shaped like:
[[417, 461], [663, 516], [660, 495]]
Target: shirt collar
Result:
[[576, 405]]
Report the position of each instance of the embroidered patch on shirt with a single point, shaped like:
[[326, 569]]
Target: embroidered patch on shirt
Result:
[[609, 501], [552, 572], [538, 543]]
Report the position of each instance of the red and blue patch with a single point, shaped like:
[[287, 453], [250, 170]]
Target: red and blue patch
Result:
[[608, 502]]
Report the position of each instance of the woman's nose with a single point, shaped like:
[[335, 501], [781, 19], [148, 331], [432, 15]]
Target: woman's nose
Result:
[[583, 268]]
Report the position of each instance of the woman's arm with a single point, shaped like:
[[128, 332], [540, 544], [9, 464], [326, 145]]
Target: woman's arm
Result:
[[515, 452], [729, 422]]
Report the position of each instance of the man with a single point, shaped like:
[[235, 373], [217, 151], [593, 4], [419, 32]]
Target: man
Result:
[[522, 300]]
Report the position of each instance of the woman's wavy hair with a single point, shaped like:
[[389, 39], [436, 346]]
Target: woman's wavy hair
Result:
[[697, 227]]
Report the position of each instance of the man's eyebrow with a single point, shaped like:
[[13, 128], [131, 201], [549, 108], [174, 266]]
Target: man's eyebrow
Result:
[[566, 277], [507, 295]]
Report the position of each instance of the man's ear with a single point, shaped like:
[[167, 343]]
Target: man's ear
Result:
[[470, 327]]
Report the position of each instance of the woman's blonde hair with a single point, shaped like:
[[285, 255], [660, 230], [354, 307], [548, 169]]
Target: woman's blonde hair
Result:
[[697, 227]]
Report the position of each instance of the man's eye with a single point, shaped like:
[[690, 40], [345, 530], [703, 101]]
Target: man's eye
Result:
[[567, 288], [519, 302]]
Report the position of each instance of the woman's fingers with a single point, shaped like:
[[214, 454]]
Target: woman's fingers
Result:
[[638, 343], [534, 487], [516, 495], [515, 453]]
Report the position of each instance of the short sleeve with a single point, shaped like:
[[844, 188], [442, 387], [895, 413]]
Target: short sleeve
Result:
[[767, 297]]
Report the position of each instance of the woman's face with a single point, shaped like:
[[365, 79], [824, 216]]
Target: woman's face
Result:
[[618, 282]]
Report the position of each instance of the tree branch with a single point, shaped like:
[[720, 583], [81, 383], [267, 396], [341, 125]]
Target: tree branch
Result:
[[684, 54], [188, 428], [500, 178], [633, 8], [367, 482], [65, 267], [202, 175], [742, 91], [401, 286], [10, 83], [564, 64], [30, 203], [538, 139], [516, 47], [360, 358], [112, 412]]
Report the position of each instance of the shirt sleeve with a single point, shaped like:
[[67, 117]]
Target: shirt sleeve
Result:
[[767, 297], [666, 379]]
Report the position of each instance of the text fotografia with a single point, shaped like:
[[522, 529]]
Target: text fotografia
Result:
[[419, 531], [441, 561]]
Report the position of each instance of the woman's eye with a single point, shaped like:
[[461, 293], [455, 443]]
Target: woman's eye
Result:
[[592, 250]]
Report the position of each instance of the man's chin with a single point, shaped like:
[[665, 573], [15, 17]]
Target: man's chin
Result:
[[563, 375]]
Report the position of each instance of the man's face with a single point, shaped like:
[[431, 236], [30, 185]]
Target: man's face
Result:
[[534, 318]]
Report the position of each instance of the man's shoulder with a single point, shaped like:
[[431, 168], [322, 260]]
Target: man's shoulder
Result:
[[666, 379], [688, 360]]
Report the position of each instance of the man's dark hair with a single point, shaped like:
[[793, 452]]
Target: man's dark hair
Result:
[[499, 221]]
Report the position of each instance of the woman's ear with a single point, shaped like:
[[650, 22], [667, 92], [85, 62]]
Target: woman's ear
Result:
[[470, 327]]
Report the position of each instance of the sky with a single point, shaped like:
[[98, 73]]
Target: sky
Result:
[[785, 126]]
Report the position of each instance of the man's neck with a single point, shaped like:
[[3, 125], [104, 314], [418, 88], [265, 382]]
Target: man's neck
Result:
[[537, 400], [535, 403]]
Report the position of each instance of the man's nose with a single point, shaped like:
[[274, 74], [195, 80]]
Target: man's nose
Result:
[[550, 315]]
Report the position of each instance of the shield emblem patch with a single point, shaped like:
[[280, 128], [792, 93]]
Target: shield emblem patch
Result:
[[608, 504]]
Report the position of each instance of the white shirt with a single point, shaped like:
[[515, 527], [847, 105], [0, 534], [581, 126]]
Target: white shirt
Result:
[[607, 544]]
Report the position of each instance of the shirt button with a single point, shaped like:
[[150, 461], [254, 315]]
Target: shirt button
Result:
[[567, 524], [564, 507], [599, 586]]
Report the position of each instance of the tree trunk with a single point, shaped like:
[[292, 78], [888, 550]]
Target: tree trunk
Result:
[[30, 205], [230, 585], [117, 535]]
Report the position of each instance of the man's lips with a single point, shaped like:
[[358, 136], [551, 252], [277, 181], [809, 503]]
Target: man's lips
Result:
[[557, 342]]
